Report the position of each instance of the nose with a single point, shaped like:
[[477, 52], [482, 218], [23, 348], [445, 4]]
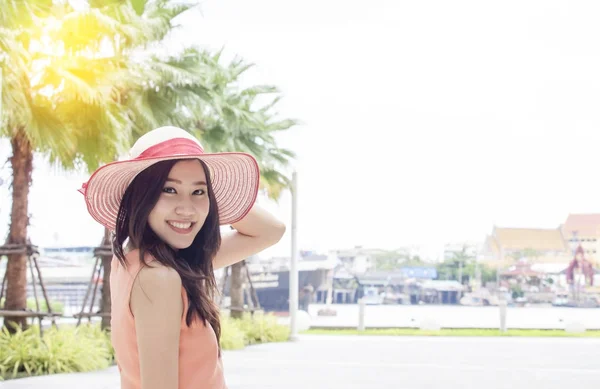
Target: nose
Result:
[[185, 208]]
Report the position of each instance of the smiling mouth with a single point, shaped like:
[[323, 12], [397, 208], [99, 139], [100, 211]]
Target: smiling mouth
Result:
[[181, 227]]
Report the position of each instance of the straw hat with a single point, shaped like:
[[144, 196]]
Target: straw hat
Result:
[[234, 176]]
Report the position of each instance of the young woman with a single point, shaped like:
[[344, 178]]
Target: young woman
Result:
[[165, 205]]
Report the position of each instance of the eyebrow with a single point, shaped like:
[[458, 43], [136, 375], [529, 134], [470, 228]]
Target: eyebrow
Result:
[[180, 183]]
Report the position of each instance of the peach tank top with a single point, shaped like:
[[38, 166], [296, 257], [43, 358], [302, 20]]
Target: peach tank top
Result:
[[199, 364]]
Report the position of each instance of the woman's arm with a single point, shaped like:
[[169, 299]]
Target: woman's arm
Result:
[[157, 306], [257, 231]]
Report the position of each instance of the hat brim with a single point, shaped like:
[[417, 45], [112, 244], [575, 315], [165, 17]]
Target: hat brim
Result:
[[235, 179]]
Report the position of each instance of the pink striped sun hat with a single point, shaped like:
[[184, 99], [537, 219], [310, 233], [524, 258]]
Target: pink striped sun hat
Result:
[[235, 176]]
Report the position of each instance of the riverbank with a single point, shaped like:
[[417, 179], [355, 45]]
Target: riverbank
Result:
[[453, 332], [455, 316]]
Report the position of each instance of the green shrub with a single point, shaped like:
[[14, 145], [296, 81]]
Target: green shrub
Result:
[[57, 306], [70, 349], [232, 336], [263, 328], [260, 328], [64, 350], [16, 351]]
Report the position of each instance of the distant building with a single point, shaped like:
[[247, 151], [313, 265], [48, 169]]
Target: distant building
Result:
[[357, 260], [584, 230], [271, 278], [535, 244], [419, 273]]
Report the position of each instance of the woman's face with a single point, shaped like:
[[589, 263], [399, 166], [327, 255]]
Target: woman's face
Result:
[[182, 206]]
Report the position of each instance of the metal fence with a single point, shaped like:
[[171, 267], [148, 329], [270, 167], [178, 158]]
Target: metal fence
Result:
[[71, 296]]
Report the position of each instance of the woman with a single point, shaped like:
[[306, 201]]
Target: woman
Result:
[[165, 205]]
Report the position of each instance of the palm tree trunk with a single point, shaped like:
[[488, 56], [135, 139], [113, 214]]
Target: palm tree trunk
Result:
[[236, 291], [16, 270], [105, 304]]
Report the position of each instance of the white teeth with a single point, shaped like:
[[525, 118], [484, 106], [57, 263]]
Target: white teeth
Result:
[[181, 225]]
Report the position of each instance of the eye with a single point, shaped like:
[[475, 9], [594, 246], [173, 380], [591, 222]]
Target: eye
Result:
[[200, 192], [169, 190]]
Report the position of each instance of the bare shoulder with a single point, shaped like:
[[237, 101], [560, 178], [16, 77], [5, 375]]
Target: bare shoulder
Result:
[[159, 275], [156, 286]]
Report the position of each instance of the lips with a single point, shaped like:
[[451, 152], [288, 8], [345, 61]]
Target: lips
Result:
[[181, 227]]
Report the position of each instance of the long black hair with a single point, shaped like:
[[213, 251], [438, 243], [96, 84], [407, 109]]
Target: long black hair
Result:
[[195, 263]]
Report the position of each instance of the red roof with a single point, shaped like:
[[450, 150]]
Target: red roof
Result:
[[521, 270]]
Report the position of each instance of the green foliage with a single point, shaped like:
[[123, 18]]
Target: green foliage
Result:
[[70, 349], [396, 259], [58, 91], [81, 84], [263, 328], [64, 350], [249, 330], [232, 335], [57, 306], [97, 78], [450, 268], [195, 90], [517, 291]]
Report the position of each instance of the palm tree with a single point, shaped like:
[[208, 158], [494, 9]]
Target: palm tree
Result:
[[239, 124], [58, 100], [193, 90], [65, 72], [85, 94], [143, 24]]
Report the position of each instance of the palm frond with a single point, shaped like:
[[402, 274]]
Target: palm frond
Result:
[[170, 72], [85, 30], [48, 134], [19, 14], [139, 6], [98, 104], [13, 94], [267, 107], [281, 125], [256, 90], [281, 156], [274, 182]]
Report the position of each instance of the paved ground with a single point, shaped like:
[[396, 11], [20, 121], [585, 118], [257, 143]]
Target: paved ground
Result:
[[391, 362]]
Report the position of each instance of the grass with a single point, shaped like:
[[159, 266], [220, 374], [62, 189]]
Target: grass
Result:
[[454, 332]]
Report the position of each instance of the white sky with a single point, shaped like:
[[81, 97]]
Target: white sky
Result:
[[424, 121]]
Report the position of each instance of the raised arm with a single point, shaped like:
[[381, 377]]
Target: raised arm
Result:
[[157, 306], [257, 231]]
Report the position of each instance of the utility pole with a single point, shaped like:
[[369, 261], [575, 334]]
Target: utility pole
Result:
[[293, 304]]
